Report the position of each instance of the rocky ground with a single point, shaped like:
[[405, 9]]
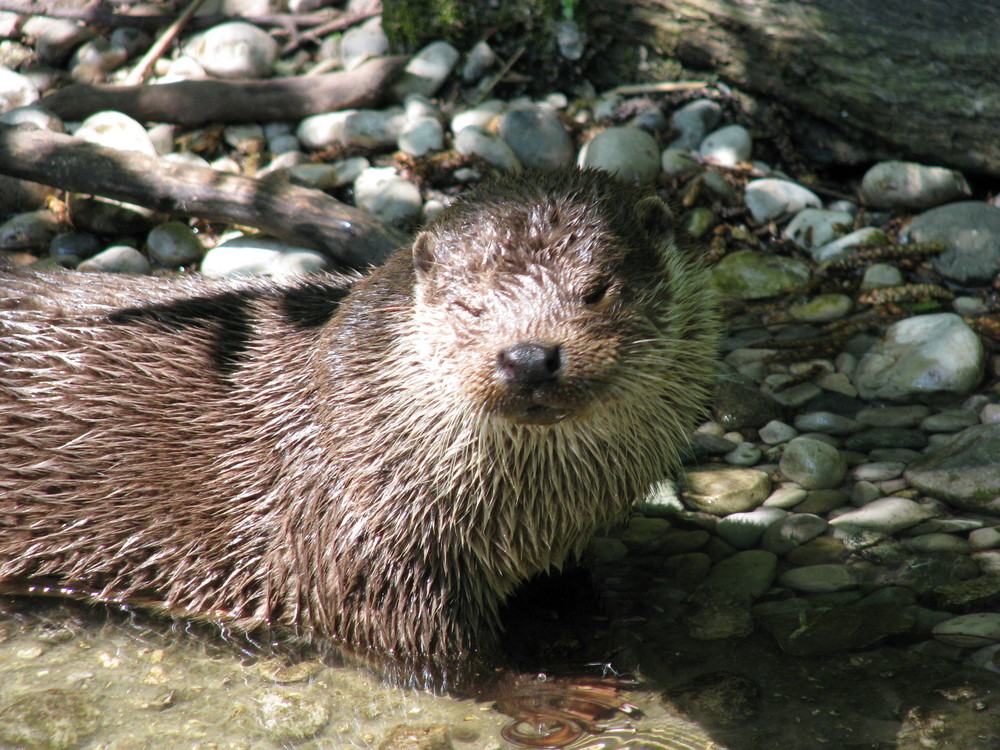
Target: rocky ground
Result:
[[826, 573]]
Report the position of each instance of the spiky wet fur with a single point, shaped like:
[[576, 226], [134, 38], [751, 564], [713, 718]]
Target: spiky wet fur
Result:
[[262, 452]]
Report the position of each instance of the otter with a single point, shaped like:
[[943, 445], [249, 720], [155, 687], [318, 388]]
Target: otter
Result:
[[378, 461]]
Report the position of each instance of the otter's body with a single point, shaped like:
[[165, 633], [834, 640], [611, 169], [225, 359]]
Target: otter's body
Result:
[[377, 461]]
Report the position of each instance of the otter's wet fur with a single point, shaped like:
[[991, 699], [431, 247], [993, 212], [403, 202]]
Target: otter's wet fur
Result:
[[380, 461]]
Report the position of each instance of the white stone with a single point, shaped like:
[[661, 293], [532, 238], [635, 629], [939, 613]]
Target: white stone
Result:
[[887, 514]]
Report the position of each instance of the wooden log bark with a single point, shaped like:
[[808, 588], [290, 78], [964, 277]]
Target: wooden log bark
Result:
[[192, 103], [888, 78], [297, 214]]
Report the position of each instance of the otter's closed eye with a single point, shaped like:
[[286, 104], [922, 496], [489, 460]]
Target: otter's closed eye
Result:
[[464, 308], [597, 293]]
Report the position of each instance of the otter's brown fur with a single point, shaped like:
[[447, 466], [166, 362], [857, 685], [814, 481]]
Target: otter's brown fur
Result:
[[380, 461]]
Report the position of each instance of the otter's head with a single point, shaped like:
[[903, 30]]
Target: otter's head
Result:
[[532, 295]]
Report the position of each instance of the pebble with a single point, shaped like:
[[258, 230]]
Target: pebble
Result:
[[963, 471], [791, 532], [878, 471], [677, 163], [903, 185], [629, 153], [816, 227], [822, 308], [880, 276], [845, 246], [16, 90], [971, 232], [321, 131], [28, 231], [362, 42], [770, 198], [748, 275], [920, 358], [473, 140], [116, 130], [949, 421], [289, 717], [693, 121], [887, 514], [938, 542], [481, 58], [776, 432], [174, 244], [727, 146], [373, 128], [747, 574], [893, 416], [265, 256], [422, 136], [744, 530], [744, 454], [822, 501], [537, 136], [427, 70], [388, 197], [970, 631], [71, 247], [55, 38], [985, 538], [117, 259], [826, 422], [481, 115], [234, 50], [721, 491], [813, 464], [818, 579]]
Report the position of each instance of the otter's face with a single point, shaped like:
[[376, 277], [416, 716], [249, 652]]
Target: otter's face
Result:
[[527, 313]]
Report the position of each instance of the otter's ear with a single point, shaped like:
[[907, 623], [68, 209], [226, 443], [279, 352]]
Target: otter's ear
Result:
[[423, 253], [656, 220]]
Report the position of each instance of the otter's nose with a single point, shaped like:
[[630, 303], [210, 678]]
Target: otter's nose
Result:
[[529, 362]]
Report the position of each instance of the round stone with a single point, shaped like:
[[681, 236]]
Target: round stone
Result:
[[392, 199], [234, 50], [473, 140], [744, 530], [843, 247], [813, 464], [818, 579], [693, 121], [537, 136], [117, 259], [724, 491], [911, 187], [887, 515], [970, 631], [727, 146], [962, 471], [971, 232], [770, 197], [116, 130], [822, 308], [174, 244], [814, 227], [629, 153], [427, 70], [748, 274], [260, 255], [923, 357]]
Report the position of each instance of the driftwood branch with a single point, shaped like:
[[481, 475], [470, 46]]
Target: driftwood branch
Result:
[[296, 214], [192, 103]]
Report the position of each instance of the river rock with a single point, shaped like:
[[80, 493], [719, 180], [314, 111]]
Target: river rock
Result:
[[174, 244], [921, 358], [537, 136], [816, 227], [362, 42], [629, 153], [16, 90], [813, 464], [693, 121], [116, 130], [887, 515], [748, 274], [744, 530], [843, 247], [770, 197], [903, 185], [392, 199], [427, 70], [963, 472], [473, 140], [818, 579], [117, 259], [723, 491], [970, 631], [971, 232], [257, 254], [234, 50], [727, 146]]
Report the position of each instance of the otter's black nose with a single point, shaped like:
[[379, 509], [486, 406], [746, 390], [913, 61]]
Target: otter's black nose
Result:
[[529, 363]]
